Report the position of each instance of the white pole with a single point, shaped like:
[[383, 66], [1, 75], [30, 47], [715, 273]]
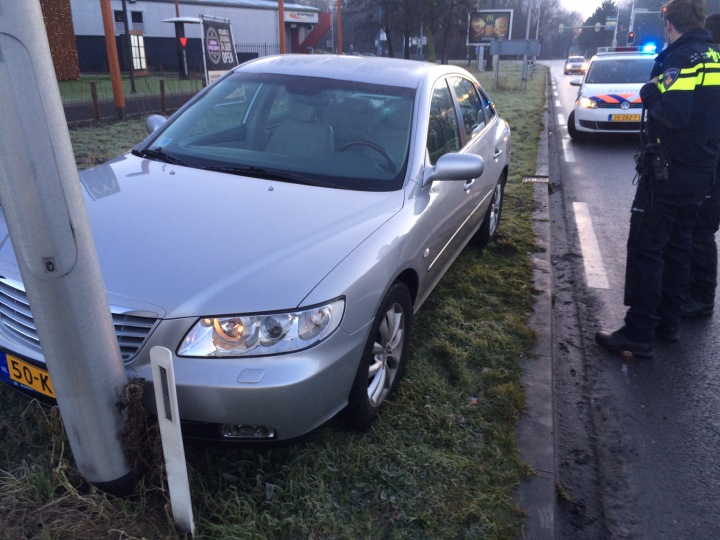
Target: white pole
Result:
[[617, 22], [45, 213], [523, 83]]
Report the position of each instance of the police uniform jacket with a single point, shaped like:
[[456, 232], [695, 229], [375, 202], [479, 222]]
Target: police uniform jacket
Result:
[[684, 107]]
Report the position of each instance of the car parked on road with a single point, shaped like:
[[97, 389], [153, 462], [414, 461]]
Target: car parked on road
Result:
[[278, 233], [608, 100], [575, 64]]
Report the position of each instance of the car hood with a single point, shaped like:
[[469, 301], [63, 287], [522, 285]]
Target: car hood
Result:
[[197, 243]]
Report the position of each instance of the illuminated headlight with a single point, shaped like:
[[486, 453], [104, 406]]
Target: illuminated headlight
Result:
[[584, 67], [587, 103], [259, 335]]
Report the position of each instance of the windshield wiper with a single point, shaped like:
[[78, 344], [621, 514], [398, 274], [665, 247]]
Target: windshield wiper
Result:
[[160, 155], [268, 174]]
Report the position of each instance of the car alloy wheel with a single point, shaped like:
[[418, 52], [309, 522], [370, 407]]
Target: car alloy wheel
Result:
[[491, 221], [383, 360]]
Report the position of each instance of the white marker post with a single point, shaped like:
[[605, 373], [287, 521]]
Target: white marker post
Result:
[[171, 433]]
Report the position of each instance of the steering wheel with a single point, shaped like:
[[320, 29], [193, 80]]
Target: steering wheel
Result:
[[389, 163]]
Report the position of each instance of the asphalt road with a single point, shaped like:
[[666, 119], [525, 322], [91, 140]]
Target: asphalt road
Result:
[[636, 441]]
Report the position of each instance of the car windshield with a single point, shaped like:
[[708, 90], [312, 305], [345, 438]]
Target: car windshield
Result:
[[314, 131], [576, 59], [628, 70]]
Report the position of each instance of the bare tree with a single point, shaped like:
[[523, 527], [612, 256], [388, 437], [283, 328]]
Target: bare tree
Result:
[[444, 23], [590, 39]]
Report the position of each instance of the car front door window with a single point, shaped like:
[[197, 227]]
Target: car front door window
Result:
[[443, 128], [471, 107]]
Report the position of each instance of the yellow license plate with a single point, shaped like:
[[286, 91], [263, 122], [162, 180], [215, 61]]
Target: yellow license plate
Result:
[[28, 375], [625, 118]]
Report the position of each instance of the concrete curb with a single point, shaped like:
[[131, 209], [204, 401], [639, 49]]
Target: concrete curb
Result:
[[535, 431]]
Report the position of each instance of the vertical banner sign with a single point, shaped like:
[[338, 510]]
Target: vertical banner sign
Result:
[[219, 47], [488, 24]]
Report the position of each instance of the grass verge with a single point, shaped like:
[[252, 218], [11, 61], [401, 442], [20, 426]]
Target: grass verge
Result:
[[441, 462]]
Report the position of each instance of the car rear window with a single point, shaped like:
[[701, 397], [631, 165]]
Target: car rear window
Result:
[[627, 70]]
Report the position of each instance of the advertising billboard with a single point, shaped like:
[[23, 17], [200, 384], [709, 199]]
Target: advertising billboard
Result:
[[219, 49], [487, 24]]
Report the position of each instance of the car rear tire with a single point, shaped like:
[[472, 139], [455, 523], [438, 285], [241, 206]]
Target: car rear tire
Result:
[[574, 133], [491, 221], [383, 360]]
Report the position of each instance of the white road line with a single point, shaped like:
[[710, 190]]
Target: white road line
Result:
[[567, 150], [565, 140], [557, 103], [592, 260]]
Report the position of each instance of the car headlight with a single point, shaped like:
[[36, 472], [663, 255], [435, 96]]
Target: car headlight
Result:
[[265, 334], [587, 103]]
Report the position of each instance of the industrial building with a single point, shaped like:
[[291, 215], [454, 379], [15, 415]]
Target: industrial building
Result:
[[76, 32]]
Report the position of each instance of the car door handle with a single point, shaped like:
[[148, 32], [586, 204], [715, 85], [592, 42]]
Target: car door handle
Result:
[[497, 153], [468, 184]]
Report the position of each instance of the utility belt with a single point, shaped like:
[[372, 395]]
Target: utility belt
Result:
[[651, 163]]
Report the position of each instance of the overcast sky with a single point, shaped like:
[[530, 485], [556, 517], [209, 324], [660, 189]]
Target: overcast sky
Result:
[[586, 7]]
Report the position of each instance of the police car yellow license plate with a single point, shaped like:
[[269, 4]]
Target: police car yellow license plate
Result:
[[28, 375], [624, 117]]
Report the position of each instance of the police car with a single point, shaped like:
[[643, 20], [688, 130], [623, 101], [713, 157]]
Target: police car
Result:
[[609, 97]]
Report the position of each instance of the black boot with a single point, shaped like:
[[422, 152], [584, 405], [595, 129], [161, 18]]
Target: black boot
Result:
[[618, 342], [668, 332], [696, 308]]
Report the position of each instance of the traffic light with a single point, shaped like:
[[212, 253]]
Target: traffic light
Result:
[[631, 38]]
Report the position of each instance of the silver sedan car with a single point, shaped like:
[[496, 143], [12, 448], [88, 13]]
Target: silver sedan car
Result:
[[278, 234]]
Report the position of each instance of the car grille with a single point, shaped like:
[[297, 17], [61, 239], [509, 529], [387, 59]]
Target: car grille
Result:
[[611, 126], [603, 105], [17, 321]]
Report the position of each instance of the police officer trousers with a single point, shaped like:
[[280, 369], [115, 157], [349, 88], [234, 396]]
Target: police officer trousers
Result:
[[704, 259], [658, 251]]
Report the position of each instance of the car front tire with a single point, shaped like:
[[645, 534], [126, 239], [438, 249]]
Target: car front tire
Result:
[[572, 131], [491, 221], [383, 360]]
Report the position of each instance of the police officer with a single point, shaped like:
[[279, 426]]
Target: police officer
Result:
[[684, 118], [700, 299]]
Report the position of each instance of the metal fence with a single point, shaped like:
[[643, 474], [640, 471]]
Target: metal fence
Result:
[[260, 49], [86, 101], [93, 102]]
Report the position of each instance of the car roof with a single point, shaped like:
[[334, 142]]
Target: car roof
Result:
[[621, 56], [368, 69], [628, 51]]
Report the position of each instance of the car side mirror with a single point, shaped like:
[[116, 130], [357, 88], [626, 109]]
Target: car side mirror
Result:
[[576, 81], [454, 167], [154, 122]]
